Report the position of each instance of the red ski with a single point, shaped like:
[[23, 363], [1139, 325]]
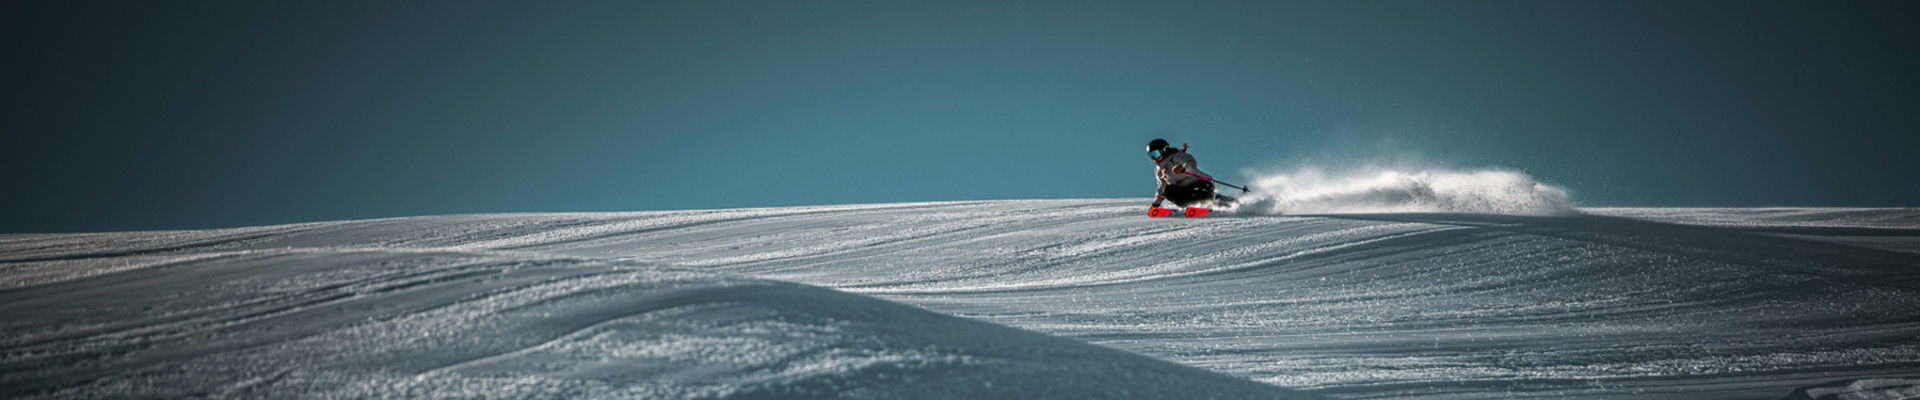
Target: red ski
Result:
[[1191, 212]]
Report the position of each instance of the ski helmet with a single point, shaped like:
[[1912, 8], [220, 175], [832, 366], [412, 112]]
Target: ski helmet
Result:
[[1157, 144]]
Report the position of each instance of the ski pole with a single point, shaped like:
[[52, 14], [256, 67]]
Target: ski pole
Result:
[[1242, 189]]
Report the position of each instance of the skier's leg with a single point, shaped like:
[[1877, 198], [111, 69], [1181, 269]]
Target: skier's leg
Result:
[[1203, 192], [1182, 196], [1172, 194], [1180, 199]]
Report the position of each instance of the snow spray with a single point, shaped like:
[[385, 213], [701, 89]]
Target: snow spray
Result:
[[1380, 190]]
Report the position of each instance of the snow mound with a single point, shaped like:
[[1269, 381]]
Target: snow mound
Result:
[[1375, 190], [424, 323], [1860, 389]]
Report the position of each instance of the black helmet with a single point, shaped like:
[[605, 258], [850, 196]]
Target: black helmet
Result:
[[1157, 144]]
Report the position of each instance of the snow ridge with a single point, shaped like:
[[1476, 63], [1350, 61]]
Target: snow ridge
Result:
[[995, 299]]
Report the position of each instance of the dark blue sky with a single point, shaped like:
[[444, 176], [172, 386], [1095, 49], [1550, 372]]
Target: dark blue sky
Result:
[[159, 115]]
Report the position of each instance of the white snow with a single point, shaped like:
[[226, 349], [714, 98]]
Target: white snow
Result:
[[992, 299], [1387, 190]]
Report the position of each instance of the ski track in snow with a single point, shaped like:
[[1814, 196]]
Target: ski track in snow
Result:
[[860, 301]]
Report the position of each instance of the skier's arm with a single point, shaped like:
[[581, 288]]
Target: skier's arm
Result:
[[1160, 187], [1192, 167]]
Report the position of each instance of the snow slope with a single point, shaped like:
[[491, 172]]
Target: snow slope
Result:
[[998, 299]]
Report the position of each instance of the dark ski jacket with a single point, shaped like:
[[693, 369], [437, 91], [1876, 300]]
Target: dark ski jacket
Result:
[[1163, 171]]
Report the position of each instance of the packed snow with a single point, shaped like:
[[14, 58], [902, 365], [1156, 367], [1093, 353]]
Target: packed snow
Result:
[[989, 299]]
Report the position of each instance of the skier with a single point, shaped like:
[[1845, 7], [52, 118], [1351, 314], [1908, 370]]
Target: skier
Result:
[[1180, 178]]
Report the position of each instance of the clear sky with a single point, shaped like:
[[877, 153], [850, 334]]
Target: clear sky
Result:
[[189, 114]]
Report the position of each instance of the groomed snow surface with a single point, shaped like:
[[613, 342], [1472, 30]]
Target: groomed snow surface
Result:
[[994, 299]]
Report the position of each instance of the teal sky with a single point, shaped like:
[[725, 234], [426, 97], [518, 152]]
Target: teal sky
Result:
[[165, 115]]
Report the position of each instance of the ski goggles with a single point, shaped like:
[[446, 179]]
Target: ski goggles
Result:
[[1153, 154]]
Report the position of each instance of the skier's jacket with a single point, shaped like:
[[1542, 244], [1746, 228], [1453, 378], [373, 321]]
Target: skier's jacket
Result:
[[1163, 170]]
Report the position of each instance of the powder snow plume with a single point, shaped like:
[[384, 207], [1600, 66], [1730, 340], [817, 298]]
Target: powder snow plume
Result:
[[1382, 190]]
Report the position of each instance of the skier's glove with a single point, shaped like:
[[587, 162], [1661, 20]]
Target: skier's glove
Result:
[[1179, 169]]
